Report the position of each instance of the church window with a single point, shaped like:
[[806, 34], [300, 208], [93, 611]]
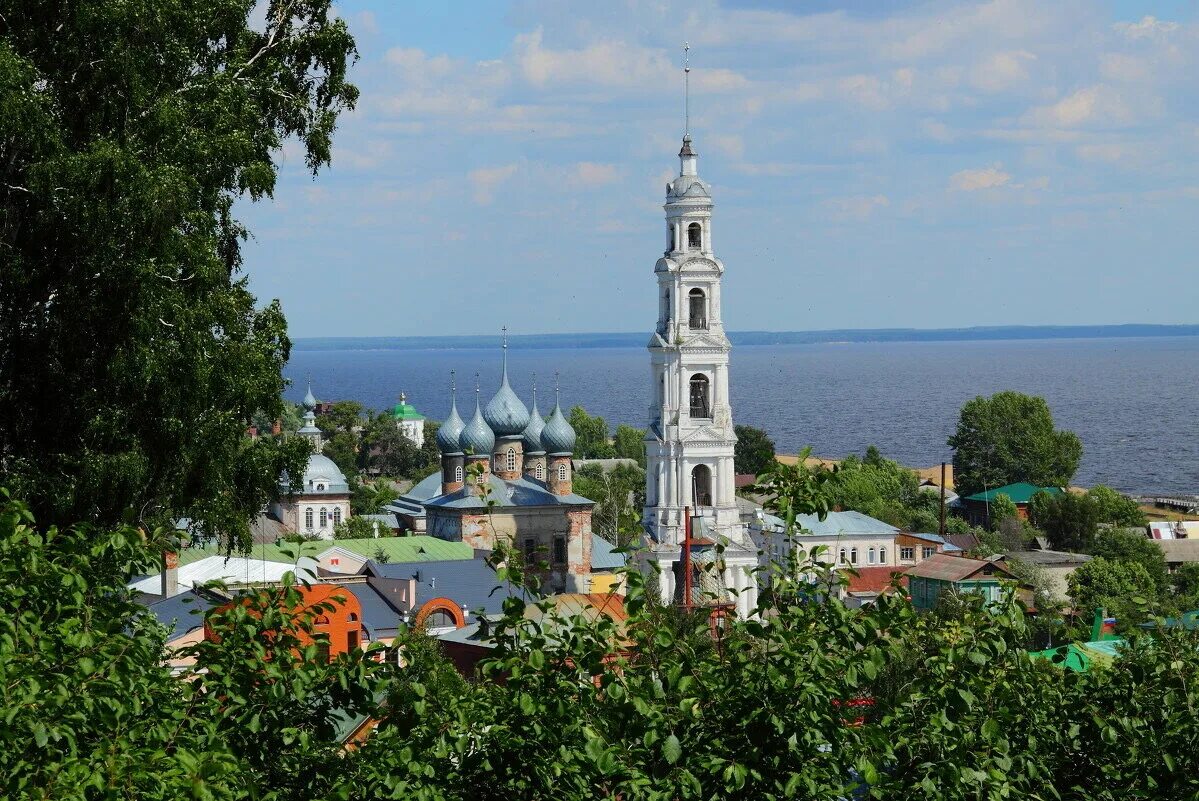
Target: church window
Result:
[[698, 306], [308, 518], [481, 478], [559, 550], [336, 515], [562, 471], [510, 459], [700, 405], [882, 555], [701, 485], [870, 556], [853, 556], [842, 558], [695, 236], [530, 548], [320, 487], [539, 472], [324, 517], [458, 474]]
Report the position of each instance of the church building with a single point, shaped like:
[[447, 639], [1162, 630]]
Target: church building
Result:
[[506, 477], [409, 421], [690, 439], [322, 500]]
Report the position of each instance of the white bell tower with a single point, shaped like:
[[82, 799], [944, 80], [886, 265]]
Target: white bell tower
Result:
[[690, 437]]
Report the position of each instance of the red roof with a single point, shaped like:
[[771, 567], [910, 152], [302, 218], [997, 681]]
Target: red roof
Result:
[[874, 579], [744, 480]]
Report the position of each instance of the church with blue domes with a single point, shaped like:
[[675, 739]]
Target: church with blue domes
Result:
[[506, 477]]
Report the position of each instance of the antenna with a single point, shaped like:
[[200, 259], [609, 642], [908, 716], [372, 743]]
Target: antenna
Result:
[[686, 89]]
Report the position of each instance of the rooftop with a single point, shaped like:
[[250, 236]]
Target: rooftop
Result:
[[1020, 492], [1049, 558], [467, 582], [944, 567]]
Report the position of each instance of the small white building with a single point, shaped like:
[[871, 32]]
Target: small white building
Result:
[[410, 422]]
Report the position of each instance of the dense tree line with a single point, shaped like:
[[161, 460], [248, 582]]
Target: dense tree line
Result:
[[814, 700]]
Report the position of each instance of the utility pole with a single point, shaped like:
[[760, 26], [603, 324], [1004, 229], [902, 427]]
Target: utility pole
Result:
[[942, 531]]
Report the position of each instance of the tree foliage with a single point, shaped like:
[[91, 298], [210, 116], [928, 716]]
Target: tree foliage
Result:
[[619, 496], [1122, 545], [629, 443], [1116, 508], [1069, 520], [359, 528], [591, 435], [1008, 438], [754, 451], [132, 355], [1122, 588]]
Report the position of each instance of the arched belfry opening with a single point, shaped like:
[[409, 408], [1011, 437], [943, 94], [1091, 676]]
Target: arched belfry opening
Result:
[[695, 236], [701, 485], [701, 396], [697, 304]]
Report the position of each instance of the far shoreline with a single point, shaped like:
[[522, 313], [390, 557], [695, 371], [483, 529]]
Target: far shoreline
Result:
[[751, 338]]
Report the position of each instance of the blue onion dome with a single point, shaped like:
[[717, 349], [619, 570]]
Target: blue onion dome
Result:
[[557, 437], [450, 431], [505, 412], [476, 437], [532, 433], [309, 398]]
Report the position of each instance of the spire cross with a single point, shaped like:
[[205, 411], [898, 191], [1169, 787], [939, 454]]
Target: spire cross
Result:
[[453, 384], [686, 89], [476, 391], [534, 389], [504, 345], [555, 387]]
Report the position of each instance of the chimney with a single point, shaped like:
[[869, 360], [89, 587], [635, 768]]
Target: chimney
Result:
[[170, 574]]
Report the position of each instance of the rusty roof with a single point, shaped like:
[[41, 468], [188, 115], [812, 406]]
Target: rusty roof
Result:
[[874, 579], [944, 567]]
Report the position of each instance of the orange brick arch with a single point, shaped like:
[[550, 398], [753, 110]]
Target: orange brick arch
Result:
[[440, 605]]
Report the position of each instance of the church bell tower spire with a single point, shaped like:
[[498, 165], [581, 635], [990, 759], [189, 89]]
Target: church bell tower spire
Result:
[[690, 438]]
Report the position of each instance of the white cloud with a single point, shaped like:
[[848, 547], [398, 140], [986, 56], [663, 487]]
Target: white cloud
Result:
[[973, 180], [1000, 72], [1098, 105], [418, 64], [729, 145], [589, 172], [1148, 28], [486, 180], [937, 130]]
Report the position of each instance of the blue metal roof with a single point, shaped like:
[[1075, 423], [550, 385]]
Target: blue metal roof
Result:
[[450, 431], [477, 437], [183, 612], [506, 413], [948, 546], [603, 555], [470, 583], [518, 492], [841, 523]]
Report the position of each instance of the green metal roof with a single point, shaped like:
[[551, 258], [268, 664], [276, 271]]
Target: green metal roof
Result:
[[1082, 656], [421, 548], [406, 411], [1020, 492]]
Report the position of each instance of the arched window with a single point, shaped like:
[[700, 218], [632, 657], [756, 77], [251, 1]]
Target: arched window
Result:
[[510, 459], [336, 515], [562, 471], [440, 619], [539, 472], [695, 236], [672, 239], [697, 304], [882, 555], [870, 556], [324, 517], [458, 474], [308, 518], [842, 559], [701, 485], [482, 477], [700, 405], [853, 556]]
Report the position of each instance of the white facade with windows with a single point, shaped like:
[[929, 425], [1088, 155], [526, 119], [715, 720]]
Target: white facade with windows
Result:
[[690, 440]]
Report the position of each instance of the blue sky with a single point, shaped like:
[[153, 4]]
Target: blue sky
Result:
[[922, 165]]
